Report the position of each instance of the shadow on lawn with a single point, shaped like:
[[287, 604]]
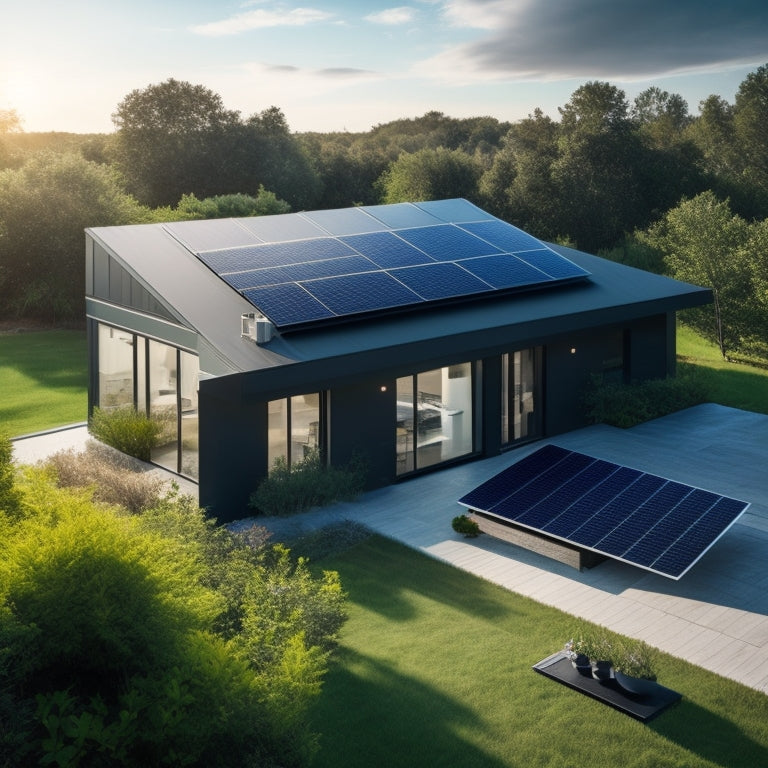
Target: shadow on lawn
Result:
[[383, 573], [54, 359], [710, 736], [372, 715]]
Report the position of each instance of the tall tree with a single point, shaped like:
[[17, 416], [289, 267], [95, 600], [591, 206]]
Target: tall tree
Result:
[[175, 138], [430, 174], [44, 208], [596, 170], [750, 121], [703, 243]]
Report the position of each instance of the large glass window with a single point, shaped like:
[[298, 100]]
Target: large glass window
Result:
[[520, 412], [293, 427], [115, 367], [434, 417], [163, 402], [156, 379]]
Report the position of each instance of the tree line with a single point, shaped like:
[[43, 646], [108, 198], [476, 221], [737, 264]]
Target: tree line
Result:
[[604, 177]]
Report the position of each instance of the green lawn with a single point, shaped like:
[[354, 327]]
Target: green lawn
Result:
[[734, 384], [43, 380], [434, 669]]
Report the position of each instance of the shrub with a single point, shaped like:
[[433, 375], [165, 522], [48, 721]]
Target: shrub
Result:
[[10, 498], [153, 639], [465, 526], [127, 430], [113, 476], [625, 405], [310, 483]]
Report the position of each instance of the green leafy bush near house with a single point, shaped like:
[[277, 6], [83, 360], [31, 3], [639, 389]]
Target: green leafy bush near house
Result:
[[465, 526], [127, 429], [153, 639], [10, 498], [625, 405], [310, 483]]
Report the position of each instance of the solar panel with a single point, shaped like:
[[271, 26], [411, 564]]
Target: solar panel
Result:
[[446, 242], [386, 249], [347, 262], [439, 281], [353, 294], [456, 210], [211, 233], [401, 215], [281, 227], [643, 519], [345, 221]]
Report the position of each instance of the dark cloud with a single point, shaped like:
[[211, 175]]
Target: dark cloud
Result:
[[615, 38]]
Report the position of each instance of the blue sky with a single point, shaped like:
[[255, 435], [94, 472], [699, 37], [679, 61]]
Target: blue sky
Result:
[[352, 64]]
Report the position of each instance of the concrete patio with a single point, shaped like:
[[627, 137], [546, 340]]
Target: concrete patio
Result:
[[716, 616]]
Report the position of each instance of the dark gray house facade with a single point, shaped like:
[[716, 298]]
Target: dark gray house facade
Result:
[[418, 335]]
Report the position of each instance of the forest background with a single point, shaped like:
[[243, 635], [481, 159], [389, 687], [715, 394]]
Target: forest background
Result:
[[645, 183]]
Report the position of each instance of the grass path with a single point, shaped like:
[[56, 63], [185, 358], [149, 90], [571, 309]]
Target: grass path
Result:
[[43, 380]]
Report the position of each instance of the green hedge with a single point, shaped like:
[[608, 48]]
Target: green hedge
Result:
[[310, 483], [625, 405], [127, 430]]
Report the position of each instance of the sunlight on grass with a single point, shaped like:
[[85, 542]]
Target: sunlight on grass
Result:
[[434, 669], [43, 380], [733, 384]]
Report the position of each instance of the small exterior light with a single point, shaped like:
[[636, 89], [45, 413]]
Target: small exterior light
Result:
[[383, 387], [573, 350]]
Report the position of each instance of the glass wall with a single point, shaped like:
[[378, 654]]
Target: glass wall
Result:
[[116, 363], [293, 427], [434, 417], [156, 379], [520, 415]]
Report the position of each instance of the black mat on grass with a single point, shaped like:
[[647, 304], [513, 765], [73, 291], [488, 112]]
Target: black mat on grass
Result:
[[642, 707]]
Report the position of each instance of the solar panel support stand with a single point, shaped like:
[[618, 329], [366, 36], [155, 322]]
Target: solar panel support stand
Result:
[[568, 554]]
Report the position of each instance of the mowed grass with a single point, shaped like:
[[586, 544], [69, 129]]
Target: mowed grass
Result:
[[733, 384], [434, 669], [43, 380]]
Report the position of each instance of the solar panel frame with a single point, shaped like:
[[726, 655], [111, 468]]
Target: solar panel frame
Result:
[[661, 525]]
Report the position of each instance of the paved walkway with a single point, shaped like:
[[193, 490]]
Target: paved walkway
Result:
[[716, 616]]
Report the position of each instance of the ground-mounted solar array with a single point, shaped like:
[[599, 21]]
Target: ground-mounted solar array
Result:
[[304, 268], [643, 519]]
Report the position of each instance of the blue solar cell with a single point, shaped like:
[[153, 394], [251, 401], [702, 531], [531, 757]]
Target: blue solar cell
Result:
[[505, 271], [553, 264], [644, 519], [446, 242], [401, 215], [310, 270], [211, 234], [281, 227], [592, 502], [457, 210], [387, 250], [345, 221], [287, 304], [506, 482], [505, 237], [352, 294], [439, 281]]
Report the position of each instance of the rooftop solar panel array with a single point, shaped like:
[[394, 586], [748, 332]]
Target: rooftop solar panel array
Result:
[[301, 269], [623, 513]]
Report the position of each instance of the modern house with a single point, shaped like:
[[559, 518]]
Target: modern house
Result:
[[418, 335]]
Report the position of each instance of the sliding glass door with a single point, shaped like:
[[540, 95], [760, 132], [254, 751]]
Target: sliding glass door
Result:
[[520, 395]]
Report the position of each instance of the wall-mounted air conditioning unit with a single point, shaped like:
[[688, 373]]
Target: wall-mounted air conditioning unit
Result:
[[256, 328]]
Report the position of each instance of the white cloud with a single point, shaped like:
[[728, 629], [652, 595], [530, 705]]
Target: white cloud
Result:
[[262, 19], [393, 16]]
